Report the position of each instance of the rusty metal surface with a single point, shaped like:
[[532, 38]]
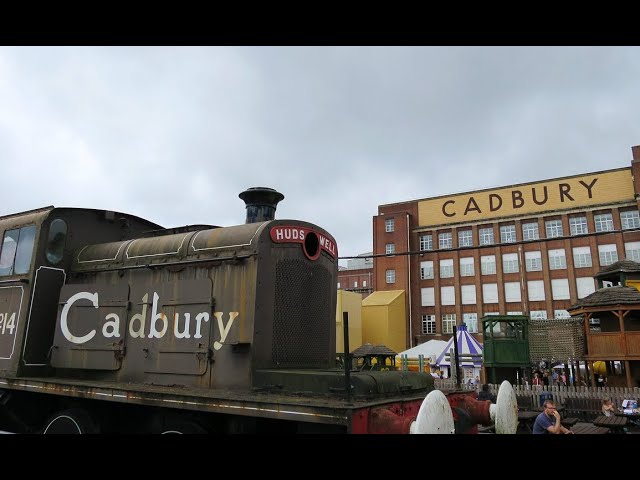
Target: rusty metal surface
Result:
[[86, 339], [206, 309], [264, 404]]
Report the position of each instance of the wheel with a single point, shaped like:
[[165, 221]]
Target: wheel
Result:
[[72, 421], [182, 428], [176, 424]]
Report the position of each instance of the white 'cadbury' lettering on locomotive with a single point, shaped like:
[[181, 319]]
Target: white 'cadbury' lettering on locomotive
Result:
[[158, 323]]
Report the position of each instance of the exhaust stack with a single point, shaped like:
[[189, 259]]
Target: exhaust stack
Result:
[[261, 203]]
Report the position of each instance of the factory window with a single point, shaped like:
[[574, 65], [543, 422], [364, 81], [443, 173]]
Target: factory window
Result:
[[533, 261], [510, 263], [428, 297], [448, 322], [582, 257], [560, 288], [489, 293], [535, 289], [630, 219], [585, 285], [446, 268], [557, 259], [471, 321], [426, 242], [426, 270], [554, 228], [604, 222], [445, 241], [390, 276], [538, 314], [632, 251], [466, 267], [447, 296], [512, 292], [608, 254], [488, 264], [485, 236], [468, 293], [364, 284], [507, 233], [390, 248], [389, 225], [530, 231], [355, 284], [465, 238], [428, 324], [578, 225]]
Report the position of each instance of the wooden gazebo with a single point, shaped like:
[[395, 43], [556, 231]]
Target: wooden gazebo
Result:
[[374, 357], [612, 323]]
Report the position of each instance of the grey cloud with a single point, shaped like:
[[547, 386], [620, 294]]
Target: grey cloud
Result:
[[174, 134]]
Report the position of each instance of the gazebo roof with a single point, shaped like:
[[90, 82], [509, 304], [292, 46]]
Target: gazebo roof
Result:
[[608, 296], [372, 350], [626, 266]]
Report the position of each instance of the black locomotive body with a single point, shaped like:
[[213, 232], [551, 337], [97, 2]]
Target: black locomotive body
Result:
[[110, 323]]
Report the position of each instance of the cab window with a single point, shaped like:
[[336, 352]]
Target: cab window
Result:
[[17, 250], [56, 241]]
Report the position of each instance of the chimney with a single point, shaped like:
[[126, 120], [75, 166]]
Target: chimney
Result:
[[261, 203]]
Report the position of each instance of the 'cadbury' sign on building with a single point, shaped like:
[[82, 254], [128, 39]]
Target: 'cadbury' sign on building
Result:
[[559, 194]]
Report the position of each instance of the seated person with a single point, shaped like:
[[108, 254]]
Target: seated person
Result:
[[485, 394], [549, 420], [608, 410]]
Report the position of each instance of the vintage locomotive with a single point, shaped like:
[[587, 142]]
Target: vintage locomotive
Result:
[[110, 323]]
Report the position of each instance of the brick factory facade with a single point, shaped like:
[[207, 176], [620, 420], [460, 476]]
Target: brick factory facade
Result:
[[357, 276], [529, 249]]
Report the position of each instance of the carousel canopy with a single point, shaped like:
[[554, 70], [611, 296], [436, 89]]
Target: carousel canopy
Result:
[[466, 345], [428, 349]]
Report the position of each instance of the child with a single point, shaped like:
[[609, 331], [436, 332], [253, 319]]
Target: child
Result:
[[607, 408]]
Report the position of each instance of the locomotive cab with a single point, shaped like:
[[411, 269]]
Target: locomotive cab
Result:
[[35, 256]]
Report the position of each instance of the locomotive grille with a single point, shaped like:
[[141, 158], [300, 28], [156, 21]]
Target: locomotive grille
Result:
[[302, 312]]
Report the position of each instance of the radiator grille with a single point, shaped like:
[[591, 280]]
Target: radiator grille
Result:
[[302, 316]]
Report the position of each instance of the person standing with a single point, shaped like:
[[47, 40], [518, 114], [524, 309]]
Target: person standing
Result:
[[537, 381], [549, 420]]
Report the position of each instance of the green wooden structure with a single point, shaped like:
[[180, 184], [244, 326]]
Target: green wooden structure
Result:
[[506, 348]]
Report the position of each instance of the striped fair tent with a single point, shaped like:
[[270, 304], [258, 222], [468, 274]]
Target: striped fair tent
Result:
[[466, 345]]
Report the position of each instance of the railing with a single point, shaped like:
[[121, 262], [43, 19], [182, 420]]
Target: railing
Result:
[[450, 384], [560, 394]]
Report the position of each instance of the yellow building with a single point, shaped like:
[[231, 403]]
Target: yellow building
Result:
[[384, 319], [351, 303]]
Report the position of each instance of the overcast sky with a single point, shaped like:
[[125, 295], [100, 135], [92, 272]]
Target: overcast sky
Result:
[[173, 134]]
